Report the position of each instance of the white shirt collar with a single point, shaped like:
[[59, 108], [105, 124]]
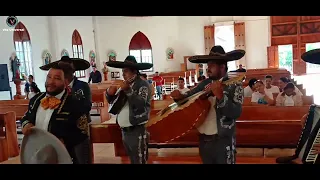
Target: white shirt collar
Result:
[[71, 83], [59, 96]]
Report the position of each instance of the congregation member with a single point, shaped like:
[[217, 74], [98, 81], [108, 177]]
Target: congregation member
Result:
[[247, 91], [132, 105], [95, 75], [260, 96], [181, 86], [283, 81], [269, 87], [217, 143], [159, 83], [288, 97]]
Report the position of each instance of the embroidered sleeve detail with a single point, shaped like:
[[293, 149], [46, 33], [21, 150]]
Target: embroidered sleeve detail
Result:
[[143, 92], [24, 123], [83, 125], [223, 101], [141, 115], [129, 92], [238, 95], [224, 124]]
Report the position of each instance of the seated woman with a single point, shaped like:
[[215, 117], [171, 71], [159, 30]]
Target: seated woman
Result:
[[289, 97], [33, 90], [260, 96], [283, 81]]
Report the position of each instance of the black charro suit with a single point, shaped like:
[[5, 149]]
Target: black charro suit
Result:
[[68, 122]]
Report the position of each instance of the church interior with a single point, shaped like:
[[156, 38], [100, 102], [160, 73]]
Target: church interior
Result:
[[273, 45]]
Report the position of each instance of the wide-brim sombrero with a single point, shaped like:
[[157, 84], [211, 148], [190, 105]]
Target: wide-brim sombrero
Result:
[[39, 138], [312, 56], [129, 62], [217, 53], [79, 64]]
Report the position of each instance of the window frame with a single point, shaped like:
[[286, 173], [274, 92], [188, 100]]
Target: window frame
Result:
[[140, 58], [26, 64]]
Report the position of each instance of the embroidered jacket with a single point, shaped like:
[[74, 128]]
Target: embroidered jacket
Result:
[[228, 109], [68, 122], [84, 87], [139, 100]]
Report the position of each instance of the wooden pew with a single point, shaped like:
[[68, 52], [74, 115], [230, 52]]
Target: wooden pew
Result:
[[11, 126], [3, 142], [100, 103], [14, 102], [257, 127], [8, 137]]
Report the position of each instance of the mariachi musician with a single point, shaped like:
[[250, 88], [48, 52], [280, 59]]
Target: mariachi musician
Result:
[[73, 85], [217, 133], [131, 103], [62, 113], [310, 124]]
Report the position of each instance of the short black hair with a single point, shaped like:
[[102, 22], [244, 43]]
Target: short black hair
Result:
[[67, 69], [252, 82], [268, 76], [200, 78], [284, 79], [31, 76], [289, 85], [180, 78], [144, 75]]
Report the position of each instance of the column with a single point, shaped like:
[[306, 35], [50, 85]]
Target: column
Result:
[[53, 38]]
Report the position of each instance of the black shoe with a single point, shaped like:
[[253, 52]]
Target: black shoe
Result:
[[285, 159]]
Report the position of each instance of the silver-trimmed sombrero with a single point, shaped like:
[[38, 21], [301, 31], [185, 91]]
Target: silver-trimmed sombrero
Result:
[[42, 147], [218, 54]]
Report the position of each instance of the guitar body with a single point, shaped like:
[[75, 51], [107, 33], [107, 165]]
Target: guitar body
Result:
[[181, 117], [178, 120]]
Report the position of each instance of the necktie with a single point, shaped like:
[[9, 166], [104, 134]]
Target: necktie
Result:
[[50, 103]]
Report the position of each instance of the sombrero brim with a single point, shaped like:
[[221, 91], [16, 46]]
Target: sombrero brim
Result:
[[37, 139], [230, 56], [312, 56], [138, 66], [79, 64]]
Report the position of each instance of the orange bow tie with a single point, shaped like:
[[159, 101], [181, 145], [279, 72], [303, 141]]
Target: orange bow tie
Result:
[[50, 103]]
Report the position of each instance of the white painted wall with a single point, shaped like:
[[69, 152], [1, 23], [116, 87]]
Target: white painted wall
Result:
[[183, 33], [52, 33], [116, 32]]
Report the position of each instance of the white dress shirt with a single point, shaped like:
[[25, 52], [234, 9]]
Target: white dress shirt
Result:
[[43, 116]]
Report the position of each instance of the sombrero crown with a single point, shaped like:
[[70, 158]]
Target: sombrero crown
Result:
[[129, 62], [217, 53], [42, 147], [312, 56], [79, 64]]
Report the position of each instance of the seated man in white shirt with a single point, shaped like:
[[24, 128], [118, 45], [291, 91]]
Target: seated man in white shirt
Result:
[[247, 91], [269, 87], [283, 81], [181, 87], [261, 96]]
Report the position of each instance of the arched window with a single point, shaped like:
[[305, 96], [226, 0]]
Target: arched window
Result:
[[77, 50], [22, 45], [140, 47]]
